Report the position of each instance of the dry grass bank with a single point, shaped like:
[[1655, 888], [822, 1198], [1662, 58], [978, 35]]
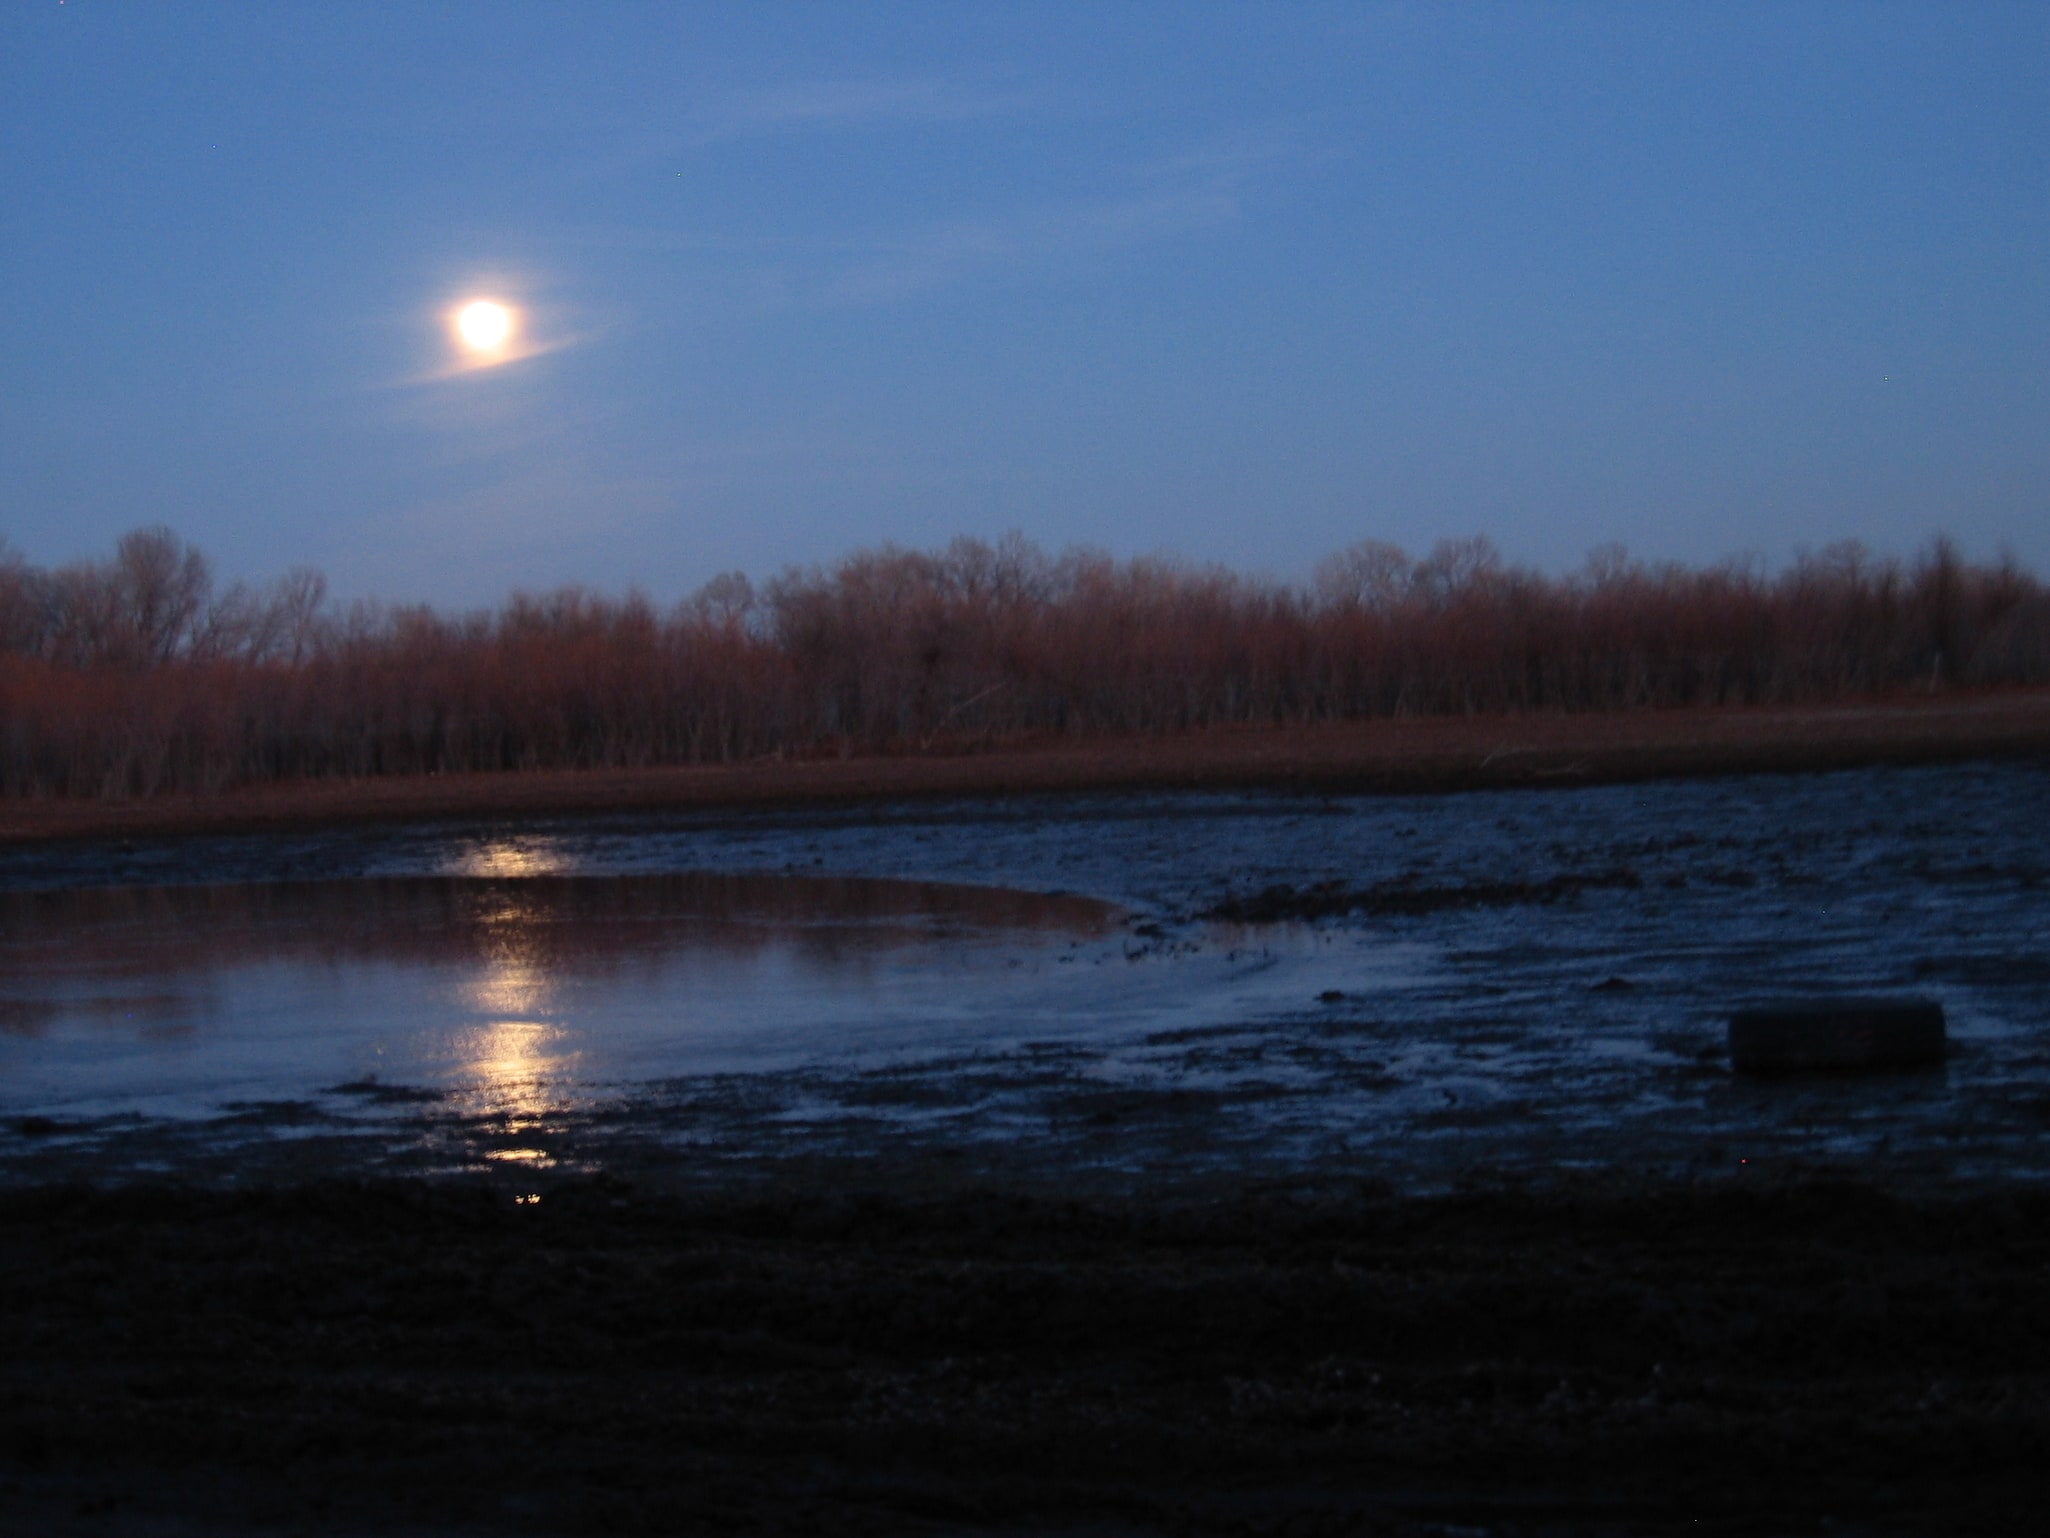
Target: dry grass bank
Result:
[[1418, 755]]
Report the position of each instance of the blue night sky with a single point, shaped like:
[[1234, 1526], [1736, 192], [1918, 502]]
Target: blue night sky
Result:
[[1242, 283]]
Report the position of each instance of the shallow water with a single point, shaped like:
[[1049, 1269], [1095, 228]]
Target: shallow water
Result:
[[167, 999], [1533, 982]]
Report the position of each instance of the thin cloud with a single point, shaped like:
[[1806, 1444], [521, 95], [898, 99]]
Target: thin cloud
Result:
[[835, 270], [848, 104], [1230, 160], [458, 367], [1166, 200], [1181, 195], [1039, 239], [639, 137]]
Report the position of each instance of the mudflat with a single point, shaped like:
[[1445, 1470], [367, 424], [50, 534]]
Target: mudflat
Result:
[[885, 1355], [888, 1340], [1404, 755]]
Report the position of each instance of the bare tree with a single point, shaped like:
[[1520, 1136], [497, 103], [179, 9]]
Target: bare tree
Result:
[[1372, 574], [161, 587], [24, 602]]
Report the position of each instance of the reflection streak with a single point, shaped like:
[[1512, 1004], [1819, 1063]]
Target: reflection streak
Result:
[[513, 857], [514, 1055]]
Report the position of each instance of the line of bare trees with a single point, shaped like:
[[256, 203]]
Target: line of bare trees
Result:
[[136, 675]]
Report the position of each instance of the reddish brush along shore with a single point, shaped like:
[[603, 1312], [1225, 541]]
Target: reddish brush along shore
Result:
[[134, 678], [1402, 755]]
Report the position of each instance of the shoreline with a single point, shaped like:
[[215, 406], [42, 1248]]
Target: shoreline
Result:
[[1400, 756]]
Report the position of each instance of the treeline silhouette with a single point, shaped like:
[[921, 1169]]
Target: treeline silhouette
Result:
[[137, 675]]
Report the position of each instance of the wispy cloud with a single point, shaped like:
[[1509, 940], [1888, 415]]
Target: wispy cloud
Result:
[[693, 121], [457, 364], [1230, 159], [851, 104], [1037, 239], [1170, 198], [1161, 200], [834, 271]]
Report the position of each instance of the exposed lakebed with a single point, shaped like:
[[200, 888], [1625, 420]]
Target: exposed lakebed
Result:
[[1418, 990]]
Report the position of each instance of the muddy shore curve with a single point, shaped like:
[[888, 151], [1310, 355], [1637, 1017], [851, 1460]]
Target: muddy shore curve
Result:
[[1416, 755]]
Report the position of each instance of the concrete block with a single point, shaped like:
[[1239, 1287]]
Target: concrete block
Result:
[[1837, 1036]]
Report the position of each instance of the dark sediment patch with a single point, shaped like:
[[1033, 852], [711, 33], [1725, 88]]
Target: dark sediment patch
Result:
[[1403, 897], [375, 1092], [825, 1357], [1838, 1035]]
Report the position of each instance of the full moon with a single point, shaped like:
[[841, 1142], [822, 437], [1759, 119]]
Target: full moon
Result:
[[484, 325]]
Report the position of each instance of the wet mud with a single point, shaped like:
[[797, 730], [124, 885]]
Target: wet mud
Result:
[[1407, 895], [891, 1352]]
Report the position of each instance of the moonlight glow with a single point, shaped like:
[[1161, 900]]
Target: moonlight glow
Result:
[[484, 326]]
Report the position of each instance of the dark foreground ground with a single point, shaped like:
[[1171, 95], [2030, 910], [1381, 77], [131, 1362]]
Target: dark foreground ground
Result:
[[1809, 1357]]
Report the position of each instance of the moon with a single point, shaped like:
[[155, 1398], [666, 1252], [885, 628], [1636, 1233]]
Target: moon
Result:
[[484, 326]]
